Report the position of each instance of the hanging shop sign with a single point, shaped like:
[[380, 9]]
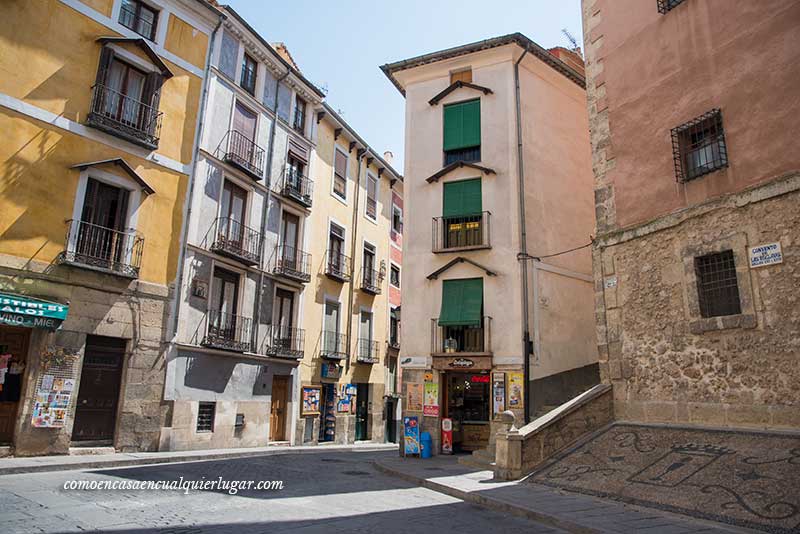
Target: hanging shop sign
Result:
[[52, 402], [431, 403], [331, 370], [447, 436], [768, 254], [515, 390], [16, 310], [498, 392], [411, 435], [311, 400], [414, 401]]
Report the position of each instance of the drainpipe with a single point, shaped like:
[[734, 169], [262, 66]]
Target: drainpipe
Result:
[[359, 157], [265, 213], [523, 249]]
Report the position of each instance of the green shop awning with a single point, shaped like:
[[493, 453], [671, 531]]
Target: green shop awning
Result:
[[462, 302], [18, 310], [462, 198]]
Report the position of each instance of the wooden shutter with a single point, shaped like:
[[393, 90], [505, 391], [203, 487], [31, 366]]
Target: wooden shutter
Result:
[[461, 76], [462, 125], [341, 164], [462, 198], [462, 302], [106, 57]]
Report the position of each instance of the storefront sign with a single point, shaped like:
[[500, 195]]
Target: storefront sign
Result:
[[52, 402], [447, 436], [515, 390], [768, 254], [17, 310], [311, 399], [462, 363], [411, 435], [452, 363], [498, 392], [331, 370], [431, 405], [414, 401]]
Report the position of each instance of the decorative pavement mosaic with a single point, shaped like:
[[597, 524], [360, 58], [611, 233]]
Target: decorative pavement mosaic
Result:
[[749, 479]]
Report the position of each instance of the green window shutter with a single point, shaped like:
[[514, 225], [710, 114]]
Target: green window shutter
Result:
[[462, 198], [462, 302], [462, 125]]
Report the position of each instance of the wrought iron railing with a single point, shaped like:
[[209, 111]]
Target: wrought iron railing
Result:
[[97, 247], [121, 115], [231, 238], [337, 266], [296, 187], [368, 351], [371, 281], [461, 339], [333, 345], [227, 331], [242, 152], [292, 263], [284, 342], [461, 232]]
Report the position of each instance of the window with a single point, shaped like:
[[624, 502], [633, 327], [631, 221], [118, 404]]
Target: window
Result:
[[336, 261], [462, 217], [698, 147], [462, 131], [394, 276], [249, 69], [372, 197], [139, 17], [717, 286], [394, 327], [299, 115], [101, 237], [340, 174], [667, 5], [461, 76], [461, 316], [331, 339], [205, 416], [369, 264], [397, 220]]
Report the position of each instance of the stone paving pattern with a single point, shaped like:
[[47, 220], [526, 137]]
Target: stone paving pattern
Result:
[[746, 479]]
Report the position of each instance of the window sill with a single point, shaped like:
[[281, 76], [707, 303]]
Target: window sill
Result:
[[339, 198], [727, 322]]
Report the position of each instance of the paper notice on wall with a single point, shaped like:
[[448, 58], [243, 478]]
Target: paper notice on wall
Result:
[[431, 405], [498, 392], [414, 400], [515, 390]]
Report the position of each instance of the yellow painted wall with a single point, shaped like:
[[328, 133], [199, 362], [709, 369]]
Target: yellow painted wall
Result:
[[102, 6], [186, 42]]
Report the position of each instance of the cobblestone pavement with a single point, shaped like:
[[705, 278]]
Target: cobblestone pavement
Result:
[[326, 492]]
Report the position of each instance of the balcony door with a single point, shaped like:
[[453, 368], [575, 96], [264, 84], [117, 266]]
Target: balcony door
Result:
[[290, 225], [231, 213], [336, 238], [369, 265], [223, 305], [285, 319], [244, 122], [125, 87], [331, 328], [365, 335], [101, 240]]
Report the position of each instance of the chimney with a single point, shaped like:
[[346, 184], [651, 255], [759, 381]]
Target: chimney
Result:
[[388, 156]]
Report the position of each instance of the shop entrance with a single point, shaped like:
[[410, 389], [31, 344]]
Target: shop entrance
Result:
[[467, 404], [98, 396], [13, 356], [362, 412], [277, 416], [327, 416]]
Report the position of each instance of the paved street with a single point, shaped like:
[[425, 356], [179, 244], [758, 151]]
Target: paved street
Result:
[[324, 492]]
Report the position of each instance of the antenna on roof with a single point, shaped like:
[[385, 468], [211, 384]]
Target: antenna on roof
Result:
[[574, 42]]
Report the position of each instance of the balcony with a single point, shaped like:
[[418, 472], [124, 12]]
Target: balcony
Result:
[[467, 340], [292, 263], [228, 332], [371, 281], [284, 342], [229, 237], [102, 249], [333, 345], [337, 266], [368, 351], [297, 187], [465, 232], [122, 116], [243, 153]]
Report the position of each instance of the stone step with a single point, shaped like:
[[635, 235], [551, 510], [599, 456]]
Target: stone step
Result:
[[90, 451], [472, 461], [484, 455]]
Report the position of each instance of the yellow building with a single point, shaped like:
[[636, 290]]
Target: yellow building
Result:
[[99, 105]]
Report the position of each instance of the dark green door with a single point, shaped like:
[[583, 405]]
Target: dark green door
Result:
[[362, 411]]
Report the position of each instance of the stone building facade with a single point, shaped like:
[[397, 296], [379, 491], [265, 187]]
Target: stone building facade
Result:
[[693, 110]]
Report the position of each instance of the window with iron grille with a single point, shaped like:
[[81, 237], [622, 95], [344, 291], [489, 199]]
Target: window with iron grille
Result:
[[205, 416], [698, 147], [249, 68], [139, 17], [666, 5], [717, 286]]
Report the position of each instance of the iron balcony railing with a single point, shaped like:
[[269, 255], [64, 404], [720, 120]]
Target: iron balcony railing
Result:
[[462, 339], [242, 152], [228, 332], [123, 116], [333, 345], [371, 281], [337, 266], [231, 238], [292, 263], [284, 342], [461, 232], [297, 187], [368, 351], [100, 248]]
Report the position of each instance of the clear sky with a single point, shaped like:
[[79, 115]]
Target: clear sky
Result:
[[340, 45]]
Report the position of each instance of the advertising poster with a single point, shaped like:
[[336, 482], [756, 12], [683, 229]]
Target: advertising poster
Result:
[[52, 402], [411, 435], [498, 392], [447, 436], [515, 390], [311, 399], [431, 402], [414, 402], [345, 404]]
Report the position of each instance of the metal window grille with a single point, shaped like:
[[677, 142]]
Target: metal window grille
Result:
[[698, 147], [666, 5], [471, 154], [717, 286], [205, 416]]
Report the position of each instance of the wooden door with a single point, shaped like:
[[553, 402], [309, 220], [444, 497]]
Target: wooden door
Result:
[[96, 411], [13, 341], [362, 412], [278, 411]]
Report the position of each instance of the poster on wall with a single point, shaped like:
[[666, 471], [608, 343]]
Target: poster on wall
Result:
[[431, 402], [311, 398], [414, 402], [411, 435], [515, 390], [447, 436], [52, 401], [345, 404], [498, 392]]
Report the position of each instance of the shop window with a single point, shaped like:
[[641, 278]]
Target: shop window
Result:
[[205, 416], [462, 132], [139, 17], [698, 146], [717, 285]]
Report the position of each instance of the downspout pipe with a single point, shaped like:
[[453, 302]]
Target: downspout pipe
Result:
[[523, 248], [359, 157]]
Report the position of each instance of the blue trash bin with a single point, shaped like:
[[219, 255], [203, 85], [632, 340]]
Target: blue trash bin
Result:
[[425, 445]]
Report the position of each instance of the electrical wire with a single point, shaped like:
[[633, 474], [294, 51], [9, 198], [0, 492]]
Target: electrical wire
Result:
[[539, 258]]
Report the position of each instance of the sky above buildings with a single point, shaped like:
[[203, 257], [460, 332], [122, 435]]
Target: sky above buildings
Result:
[[340, 45]]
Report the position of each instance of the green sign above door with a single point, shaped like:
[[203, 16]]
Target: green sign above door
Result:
[[18, 310]]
